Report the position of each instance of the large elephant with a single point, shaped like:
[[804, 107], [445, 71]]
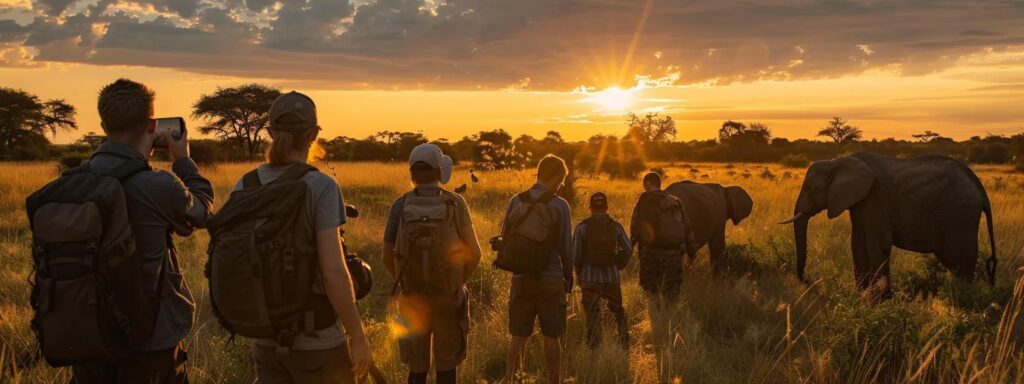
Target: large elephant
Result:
[[930, 204], [708, 207]]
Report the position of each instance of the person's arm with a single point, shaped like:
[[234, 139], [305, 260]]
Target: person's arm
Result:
[[565, 244], [338, 287], [625, 246], [192, 194], [468, 232], [634, 223], [577, 241], [391, 237]]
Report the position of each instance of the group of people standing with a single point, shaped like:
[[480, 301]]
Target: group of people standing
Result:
[[430, 249]]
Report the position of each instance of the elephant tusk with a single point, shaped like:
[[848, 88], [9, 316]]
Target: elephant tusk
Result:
[[792, 219]]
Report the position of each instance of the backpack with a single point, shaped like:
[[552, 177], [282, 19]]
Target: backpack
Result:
[[600, 247], [661, 221], [87, 285], [262, 264], [430, 250], [530, 237]]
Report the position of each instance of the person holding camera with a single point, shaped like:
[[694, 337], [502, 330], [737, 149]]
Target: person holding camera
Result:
[[431, 250], [158, 203], [602, 249], [536, 246], [276, 268]]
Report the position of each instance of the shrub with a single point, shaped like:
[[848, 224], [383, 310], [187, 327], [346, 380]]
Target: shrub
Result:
[[71, 160], [795, 161]]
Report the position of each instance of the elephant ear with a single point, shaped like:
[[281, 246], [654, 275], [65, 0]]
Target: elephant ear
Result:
[[739, 202], [851, 181]]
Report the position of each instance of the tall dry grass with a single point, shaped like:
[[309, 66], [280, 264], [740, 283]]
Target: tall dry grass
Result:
[[757, 324]]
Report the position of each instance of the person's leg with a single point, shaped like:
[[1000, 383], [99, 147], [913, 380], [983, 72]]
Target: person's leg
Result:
[[673, 277], [269, 369], [447, 377], [553, 359], [515, 357], [156, 367], [327, 366], [612, 293], [592, 312], [96, 373], [417, 377]]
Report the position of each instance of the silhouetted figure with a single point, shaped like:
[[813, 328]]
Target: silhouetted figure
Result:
[[472, 176], [460, 189]]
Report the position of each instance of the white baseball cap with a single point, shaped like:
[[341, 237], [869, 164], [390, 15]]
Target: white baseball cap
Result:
[[432, 155]]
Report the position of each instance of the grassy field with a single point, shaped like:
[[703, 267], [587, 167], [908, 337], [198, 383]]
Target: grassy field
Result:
[[757, 324]]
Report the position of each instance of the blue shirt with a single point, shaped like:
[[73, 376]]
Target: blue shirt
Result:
[[560, 264], [598, 273]]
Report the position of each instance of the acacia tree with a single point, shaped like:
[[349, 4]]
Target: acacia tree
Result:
[[926, 136], [237, 114], [651, 128], [840, 131], [739, 134], [25, 120]]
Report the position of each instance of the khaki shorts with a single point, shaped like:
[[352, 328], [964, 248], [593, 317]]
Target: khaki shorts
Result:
[[444, 331], [326, 366], [537, 297]]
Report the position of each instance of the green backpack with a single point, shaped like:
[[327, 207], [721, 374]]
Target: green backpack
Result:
[[263, 264], [430, 250], [87, 282], [530, 236]]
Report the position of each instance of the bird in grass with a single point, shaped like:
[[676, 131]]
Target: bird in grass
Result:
[[460, 189], [472, 176]]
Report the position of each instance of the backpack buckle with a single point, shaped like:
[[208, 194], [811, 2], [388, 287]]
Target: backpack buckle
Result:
[[289, 262], [92, 248], [285, 341]]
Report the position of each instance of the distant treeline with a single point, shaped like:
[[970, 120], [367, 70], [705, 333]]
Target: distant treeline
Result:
[[236, 118]]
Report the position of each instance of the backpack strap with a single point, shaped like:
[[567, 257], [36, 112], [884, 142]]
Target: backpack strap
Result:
[[128, 169], [294, 172], [251, 179]]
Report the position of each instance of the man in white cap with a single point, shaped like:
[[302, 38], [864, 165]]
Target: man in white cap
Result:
[[431, 250]]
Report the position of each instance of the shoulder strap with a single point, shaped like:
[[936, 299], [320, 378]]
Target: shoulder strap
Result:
[[251, 179], [525, 198], [294, 171]]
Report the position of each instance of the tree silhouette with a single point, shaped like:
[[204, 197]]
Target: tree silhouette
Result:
[[25, 120], [926, 136], [237, 114], [738, 134], [840, 131], [651, 129]]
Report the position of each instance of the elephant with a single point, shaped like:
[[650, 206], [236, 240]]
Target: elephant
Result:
[[709, 206], [930, 204]]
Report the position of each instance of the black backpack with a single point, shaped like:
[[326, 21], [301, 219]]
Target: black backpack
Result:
[[600, 247], [660, 219], [87, 288], [530, 237], [263, 264]]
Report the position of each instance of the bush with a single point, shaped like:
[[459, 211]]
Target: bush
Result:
[[989, 153], [71, 160], [795, 161]]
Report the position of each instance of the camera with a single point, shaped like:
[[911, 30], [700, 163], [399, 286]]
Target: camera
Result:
[[172, 125], [359, 270], [496, 243]]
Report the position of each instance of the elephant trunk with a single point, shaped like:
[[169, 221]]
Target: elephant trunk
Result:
[[800, 235]]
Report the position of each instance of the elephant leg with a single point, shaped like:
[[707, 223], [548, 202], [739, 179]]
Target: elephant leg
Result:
[[960, 250], [716, 247], [872, 248]]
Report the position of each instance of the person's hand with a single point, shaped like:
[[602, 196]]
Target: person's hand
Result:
[[362, 357], [177, 149]]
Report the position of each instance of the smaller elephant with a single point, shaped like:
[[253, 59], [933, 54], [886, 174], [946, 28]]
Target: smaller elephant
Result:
[[709, 206]]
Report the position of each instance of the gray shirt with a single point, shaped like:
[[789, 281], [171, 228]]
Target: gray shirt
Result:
[[327, 208], [560, 261], [160, 202]]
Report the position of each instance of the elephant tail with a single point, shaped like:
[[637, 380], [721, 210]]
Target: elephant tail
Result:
[[990, 264]]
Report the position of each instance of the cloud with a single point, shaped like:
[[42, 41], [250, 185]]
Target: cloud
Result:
[[489, 44]]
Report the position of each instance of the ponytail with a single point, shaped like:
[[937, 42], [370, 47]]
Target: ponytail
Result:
[[283, 144]]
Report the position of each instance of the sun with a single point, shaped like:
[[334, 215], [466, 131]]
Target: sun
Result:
[[613, 99]]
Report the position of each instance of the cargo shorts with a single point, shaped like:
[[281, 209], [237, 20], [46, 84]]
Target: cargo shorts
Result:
[[327, 366], [661, 272], [443, 334], [535, 298]]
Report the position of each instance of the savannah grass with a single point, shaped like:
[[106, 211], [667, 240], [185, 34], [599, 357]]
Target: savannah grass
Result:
[[755, 324]]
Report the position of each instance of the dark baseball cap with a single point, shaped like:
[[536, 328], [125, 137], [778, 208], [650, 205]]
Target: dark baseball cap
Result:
[[598, 200], [292, 112]]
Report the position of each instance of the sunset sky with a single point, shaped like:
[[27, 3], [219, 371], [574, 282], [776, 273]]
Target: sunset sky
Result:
[[452, 68]]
